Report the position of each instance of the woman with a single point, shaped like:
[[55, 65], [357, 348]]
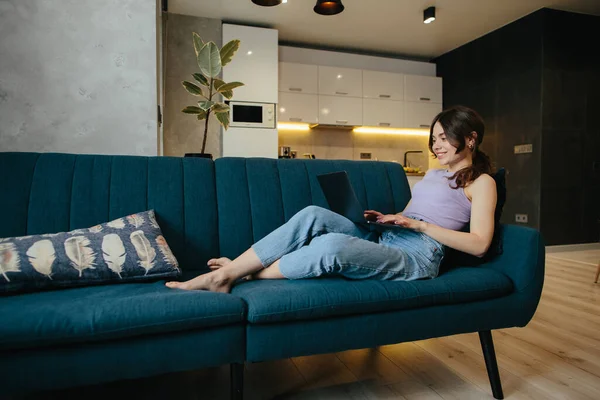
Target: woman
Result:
[[317, 242]]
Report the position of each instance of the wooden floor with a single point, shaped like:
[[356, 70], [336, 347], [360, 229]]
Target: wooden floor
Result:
[[557, 356]]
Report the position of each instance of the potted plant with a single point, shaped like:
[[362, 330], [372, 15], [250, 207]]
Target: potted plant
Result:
[[211, 60]]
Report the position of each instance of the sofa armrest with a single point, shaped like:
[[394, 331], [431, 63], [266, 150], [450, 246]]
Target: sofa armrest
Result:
[[522, 259]]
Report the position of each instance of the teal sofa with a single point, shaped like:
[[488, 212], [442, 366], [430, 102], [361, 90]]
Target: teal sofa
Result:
[[89, 335]]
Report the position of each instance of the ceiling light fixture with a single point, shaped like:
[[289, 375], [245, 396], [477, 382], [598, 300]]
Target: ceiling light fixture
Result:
[[267, 3], [429, 15], [329, 7]]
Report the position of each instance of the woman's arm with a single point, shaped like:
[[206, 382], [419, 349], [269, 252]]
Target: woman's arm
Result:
[[478, 240], [483, 205]]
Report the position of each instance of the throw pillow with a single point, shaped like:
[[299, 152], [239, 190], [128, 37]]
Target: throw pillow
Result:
[[128, 249], [454, 257]]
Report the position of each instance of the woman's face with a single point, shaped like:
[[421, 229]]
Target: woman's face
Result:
[[443, 149]]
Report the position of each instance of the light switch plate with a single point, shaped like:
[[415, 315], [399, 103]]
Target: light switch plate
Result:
[[365, 156], [524, 148]]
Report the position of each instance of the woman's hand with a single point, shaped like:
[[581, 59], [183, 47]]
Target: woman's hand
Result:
[[372, 215], [398, 219]]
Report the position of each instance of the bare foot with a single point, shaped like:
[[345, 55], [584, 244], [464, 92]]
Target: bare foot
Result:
[[213, 281], [216, 263]]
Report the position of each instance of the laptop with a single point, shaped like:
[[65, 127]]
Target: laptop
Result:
[[342, 199]]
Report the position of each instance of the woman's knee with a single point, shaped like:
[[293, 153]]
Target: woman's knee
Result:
[[314, 212]]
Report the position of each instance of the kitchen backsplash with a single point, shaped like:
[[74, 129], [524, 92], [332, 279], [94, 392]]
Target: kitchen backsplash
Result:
[[344, 144]]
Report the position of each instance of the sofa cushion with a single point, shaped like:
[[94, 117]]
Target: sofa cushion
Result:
[[127, 249], [97, 313], [50, 192], [283, 300]]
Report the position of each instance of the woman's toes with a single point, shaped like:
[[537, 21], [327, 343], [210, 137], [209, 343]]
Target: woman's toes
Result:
[[172, 284]]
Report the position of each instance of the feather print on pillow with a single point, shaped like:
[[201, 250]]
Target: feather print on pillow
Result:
[[9, 259], [144, 250], [114, 253], [79, 252], [117, 224], [164, 248], [152, 219], [136, 220], [41, 256], [95, 229]]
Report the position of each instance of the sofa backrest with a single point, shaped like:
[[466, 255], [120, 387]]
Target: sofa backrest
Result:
[[48, 193], [257, 195]]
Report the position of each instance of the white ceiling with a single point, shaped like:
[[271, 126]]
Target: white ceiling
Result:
[[387, 27]]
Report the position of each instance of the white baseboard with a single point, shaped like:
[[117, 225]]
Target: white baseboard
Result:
[[573, 247]]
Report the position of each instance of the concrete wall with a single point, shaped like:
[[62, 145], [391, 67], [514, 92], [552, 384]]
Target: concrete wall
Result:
[[183, 132], [78, 76]]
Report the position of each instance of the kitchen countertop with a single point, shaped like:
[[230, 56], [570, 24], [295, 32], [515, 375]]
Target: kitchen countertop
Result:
[[415, 173]]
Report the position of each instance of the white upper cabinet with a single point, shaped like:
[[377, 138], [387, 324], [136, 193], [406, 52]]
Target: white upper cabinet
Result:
[[423, 88], [337, 110], [298, 78], [420, 115], [383, 85], [255, 63], [383, 113], [298, 107], [336, 81]]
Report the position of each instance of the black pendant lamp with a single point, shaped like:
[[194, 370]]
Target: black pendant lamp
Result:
[[329, 7], [267, 3]]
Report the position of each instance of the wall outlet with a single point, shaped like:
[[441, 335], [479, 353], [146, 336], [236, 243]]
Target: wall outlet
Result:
[[521, 218], [365, 156], [524, 148]]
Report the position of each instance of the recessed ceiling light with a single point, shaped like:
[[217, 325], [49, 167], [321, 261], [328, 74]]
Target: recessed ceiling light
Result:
[[249, 52], [268, 3], [429, 15]]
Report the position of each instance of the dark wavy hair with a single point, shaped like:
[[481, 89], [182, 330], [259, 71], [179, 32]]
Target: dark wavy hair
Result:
[[459, 123]]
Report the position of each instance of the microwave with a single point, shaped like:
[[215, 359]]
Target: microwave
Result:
[[246, 114]]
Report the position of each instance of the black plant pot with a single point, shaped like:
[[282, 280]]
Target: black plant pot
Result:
[[201, 155]]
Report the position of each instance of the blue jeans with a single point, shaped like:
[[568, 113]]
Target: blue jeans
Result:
[[317, 241]]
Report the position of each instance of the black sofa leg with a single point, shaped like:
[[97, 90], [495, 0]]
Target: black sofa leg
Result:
[[487, 345], [237, 381]]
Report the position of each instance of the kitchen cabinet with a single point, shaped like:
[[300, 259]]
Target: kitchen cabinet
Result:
[[383, 113], [420, 115], [336, 81], [298, 78], [425, 89], [298, 107], [255, 63], [383, 85], [339, 110]]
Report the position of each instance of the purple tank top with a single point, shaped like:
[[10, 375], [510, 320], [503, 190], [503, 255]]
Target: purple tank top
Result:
[[435, 201]]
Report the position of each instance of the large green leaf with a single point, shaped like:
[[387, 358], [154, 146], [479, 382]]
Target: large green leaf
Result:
[[223, 119], [198, 43], [229, 86], [192, 110], [206, 105], [217, 83], [192, 89], [201, 79], [220, 108], [228, 94], [209, 60], [228, 51]]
